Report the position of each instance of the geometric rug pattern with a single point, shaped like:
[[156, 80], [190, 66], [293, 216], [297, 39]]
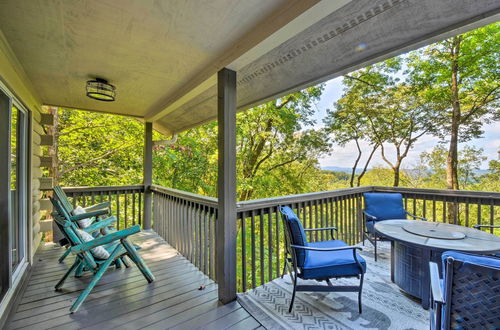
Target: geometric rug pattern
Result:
[[385, 306]]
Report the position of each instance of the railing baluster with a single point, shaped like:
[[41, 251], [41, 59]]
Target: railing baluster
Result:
[[252, 226], [243, 253], [270, 244]]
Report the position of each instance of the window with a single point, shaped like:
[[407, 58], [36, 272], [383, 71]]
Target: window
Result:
[[14, 192], [18, 184]]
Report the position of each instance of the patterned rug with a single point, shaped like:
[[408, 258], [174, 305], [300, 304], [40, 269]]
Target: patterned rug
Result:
[[384, 305]]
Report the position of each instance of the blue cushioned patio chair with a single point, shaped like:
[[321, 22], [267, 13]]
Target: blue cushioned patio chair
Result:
[[94, 211], [320, 261], [468, 295], [379, 207], [115, 243]]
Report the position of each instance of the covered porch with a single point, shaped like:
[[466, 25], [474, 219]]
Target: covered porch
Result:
[[177, 65], [180, 249]]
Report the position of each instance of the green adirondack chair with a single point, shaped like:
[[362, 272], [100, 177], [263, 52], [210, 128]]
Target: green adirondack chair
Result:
[[94, 211], [116, 243]]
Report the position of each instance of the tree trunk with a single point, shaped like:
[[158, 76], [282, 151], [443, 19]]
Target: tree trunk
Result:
[[360, 176], [353, 172], [396, 176], [452, 159]]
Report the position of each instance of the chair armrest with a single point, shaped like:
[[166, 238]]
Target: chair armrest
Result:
[[332, 229], [100, 206], [415, 217], [106, 239], [88, 215], [98, 225], [368, 215], [486, 226], [349, 247], [437, 292], [324, 228]]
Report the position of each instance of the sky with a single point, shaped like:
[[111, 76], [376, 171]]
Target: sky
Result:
[[344, 156]]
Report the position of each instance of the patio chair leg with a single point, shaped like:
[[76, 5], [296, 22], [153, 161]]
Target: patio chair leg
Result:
[[79, 271], [375, 244], [118, 263], [293, 294], [136, 258], [359, 293], [102, 269], [75, 265], [125, 262], [65, 254], [284, 269]]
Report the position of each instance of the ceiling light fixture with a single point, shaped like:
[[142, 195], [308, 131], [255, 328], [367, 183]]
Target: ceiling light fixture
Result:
[[99, 89]]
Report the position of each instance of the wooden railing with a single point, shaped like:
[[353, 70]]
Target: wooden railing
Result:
[[126, 201], [465, 208], [187, 222]]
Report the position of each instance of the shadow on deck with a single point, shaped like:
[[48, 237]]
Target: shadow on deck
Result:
[[123, 298]]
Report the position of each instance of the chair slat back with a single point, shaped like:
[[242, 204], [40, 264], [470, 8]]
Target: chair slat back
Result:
[[63, 199], [69, 230], [472, 292]]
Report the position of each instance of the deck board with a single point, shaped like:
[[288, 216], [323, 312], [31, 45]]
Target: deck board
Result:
[[123, 298]]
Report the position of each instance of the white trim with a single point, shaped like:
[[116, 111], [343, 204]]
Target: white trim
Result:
[[9, 295]]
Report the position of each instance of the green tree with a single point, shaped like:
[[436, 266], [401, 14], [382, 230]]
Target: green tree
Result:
[[459, 78], [469, 162], [94, 149], [275, 135]]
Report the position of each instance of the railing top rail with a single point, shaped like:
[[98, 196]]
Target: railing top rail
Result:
[[273, 201], [440, 192], [204, 200], [102, 188]]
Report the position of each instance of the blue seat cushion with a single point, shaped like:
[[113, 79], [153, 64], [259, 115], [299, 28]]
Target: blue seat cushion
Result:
[[297, 233], [326, 264], [385, 206]]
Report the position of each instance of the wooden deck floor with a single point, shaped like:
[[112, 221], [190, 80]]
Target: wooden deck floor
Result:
[[123, 299]]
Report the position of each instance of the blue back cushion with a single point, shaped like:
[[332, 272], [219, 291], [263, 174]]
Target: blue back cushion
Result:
[[385, 206], [489, 261], [297, 233]]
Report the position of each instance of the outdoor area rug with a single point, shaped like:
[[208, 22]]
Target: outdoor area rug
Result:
[[384, 305]]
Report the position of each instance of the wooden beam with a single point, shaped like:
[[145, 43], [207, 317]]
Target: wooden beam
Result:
[[46, 183], [45, 225], [47, 119], [45, 161], [226, 187], [148, 173], [46, 140], [45, 204]]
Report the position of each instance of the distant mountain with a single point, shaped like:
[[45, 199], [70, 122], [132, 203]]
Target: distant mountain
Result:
[[358, 170], [341, 169]]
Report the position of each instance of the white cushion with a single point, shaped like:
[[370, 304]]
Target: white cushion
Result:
[[83, 223], [99, 251]]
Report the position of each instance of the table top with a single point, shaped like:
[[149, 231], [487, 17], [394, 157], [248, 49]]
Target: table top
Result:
[[439, 236]]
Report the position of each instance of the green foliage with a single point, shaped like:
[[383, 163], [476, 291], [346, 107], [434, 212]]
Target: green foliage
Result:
[[430, 70], [98, 150]]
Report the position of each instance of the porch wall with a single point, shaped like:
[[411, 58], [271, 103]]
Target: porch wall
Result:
[[14, 78]]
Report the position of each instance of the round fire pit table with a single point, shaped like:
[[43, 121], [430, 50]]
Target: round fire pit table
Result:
[[414, 243]]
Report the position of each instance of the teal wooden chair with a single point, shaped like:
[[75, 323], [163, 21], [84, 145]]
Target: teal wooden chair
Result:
[[94, 211], [116, 244]]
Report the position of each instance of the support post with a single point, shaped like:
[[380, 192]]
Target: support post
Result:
[[226, 186], [148, 173]]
